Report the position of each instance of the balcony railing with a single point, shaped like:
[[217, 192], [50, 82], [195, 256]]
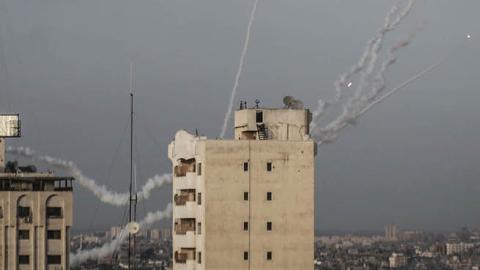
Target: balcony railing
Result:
[[185, 225], [184, 167], [184, 255], [184, 197]]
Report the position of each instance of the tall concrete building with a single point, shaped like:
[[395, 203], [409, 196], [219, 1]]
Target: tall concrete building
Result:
[[35, 216], [391, 232], [246, 203]]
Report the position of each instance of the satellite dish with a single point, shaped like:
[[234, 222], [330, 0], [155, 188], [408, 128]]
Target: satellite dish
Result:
[[133, 227]]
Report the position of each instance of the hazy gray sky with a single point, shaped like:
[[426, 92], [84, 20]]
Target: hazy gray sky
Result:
[[413, 160]]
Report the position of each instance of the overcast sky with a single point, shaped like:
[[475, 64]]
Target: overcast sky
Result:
[[413, 160]]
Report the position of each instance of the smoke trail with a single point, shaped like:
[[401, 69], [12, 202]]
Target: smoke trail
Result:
[[371, 75], [100, 191], [329, 137], [240, 69], [108, 248], [355, 104], [366, 65]]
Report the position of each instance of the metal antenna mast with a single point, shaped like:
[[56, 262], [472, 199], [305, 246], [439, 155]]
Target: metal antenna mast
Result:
[[132, 211]]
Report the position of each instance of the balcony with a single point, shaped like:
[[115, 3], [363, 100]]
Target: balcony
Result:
[[184, 197], [186, 211], [186, 182], [185, 241], [184, 255], [184, 166], [183, 225]]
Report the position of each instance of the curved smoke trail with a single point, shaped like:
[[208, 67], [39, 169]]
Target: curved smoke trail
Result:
[[240, 69], [110, 247], [378, 100], [100, 191], [367, 63], [371, 76]]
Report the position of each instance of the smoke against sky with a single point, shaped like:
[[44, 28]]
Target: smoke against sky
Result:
[[416, 153]]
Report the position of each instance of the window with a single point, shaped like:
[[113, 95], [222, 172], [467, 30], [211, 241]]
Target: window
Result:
[[23, 259], [199, 171], [269, 166], [269, 196], [245, 256], [259, 117], [245, 166], [245, 226], [199, 228], [269, 255], [199, 199], [54, 259], [23, 212], [24, 234], [199, 257], [245, 196], [54, 234], [54, 212], [269, 226]]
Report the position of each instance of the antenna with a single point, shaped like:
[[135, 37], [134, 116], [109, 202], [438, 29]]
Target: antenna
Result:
[[132, 198]]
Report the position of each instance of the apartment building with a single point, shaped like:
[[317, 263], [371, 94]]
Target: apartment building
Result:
[[247, 202], [35, 212]]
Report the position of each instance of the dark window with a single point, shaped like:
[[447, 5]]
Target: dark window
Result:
[[23, 259], [24, 234], [54, 234], [245, 256], [199, 171], [245, 166], [245, 226], [23, 212], [199, 228], [269, 196], [199, 199], [245, 196], [54, 259], [199, 257], [269, 166], [54, 212], [259, 117], [269, 226], [269, 255]]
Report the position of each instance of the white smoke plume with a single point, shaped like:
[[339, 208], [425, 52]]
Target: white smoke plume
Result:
[[110, 247], [370, 75], [367, 63], [240, 69], [332, 136], [100, 191]]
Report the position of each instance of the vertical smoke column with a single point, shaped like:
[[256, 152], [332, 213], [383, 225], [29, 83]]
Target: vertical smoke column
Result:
[[240, 69]]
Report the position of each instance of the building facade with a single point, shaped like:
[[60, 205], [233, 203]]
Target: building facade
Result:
[[35, 212], [391, 232], [397, 260], [35, 219], [246, 203]]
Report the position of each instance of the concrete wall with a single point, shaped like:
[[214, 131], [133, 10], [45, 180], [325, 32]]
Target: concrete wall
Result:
[[37, 246], [291, 210]]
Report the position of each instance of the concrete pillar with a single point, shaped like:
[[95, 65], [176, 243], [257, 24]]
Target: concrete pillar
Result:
[[2, 154]]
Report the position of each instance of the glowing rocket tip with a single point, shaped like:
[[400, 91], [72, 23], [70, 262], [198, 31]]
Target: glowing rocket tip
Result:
[[469, 36], [349, 84]]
